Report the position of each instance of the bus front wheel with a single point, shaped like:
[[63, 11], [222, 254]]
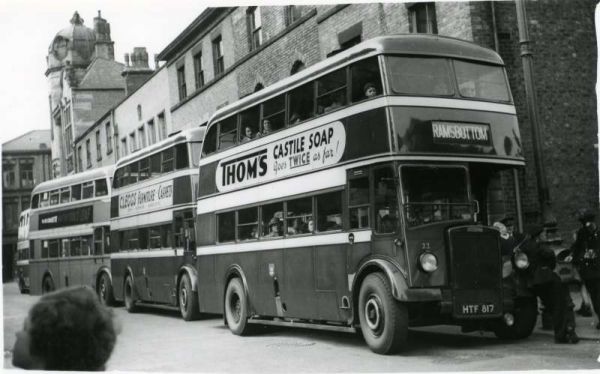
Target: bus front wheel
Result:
[[383, 320], [105, 291], [236, 307], [188, 299], [128, 291], [47, 284]]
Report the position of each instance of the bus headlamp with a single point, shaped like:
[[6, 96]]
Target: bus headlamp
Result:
[[521, 261], [429, 262]]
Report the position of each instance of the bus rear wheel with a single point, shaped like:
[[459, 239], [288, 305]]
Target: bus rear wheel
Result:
[[105, 290], [128, 295], [525, 317], [236, 308], [383, 320], [47, 284], [188, 299]]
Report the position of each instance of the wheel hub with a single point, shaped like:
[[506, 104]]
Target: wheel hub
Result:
[[373, 314], [183, 297], [236, 307]]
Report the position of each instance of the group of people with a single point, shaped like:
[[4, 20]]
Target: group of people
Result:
[[542, 279]]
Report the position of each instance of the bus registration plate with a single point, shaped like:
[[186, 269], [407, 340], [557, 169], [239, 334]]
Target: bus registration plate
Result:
[[474, 309]]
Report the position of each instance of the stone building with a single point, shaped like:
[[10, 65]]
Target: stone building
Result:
[[228, 53], [25, 163], [85, 82]]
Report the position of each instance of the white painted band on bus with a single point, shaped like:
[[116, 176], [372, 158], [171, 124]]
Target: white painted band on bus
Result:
[[66, 232], [148, 218], [22, 262], [430, 102], [147, 253], [154, 180], [286, 243]]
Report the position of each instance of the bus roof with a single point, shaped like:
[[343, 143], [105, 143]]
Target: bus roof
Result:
[[189, 135], [86, 176], [407, 44]]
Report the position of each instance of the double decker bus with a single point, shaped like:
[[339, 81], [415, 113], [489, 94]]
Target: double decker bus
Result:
[[69, 232], [23, 252], [152, 224], [324, 205]]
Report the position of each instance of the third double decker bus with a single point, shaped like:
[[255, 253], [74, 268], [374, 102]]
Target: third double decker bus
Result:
[[23, 251], [152, 224], [354, 194]]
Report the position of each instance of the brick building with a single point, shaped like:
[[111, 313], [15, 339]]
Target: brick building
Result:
[[228, 53], [25, 163]]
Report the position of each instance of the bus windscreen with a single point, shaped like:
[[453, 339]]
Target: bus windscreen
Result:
[[481, 81]]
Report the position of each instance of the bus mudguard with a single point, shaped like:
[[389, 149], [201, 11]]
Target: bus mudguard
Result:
[[192, 273], [397, 278], [103, 269], [233, 271]]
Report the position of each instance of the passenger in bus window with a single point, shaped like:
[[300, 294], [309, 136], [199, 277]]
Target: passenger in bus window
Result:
[[370, 90], [266, 127], [247, 134], [337, 100], [311, 226], [274, 228], [294, 118], [297, 227], [66, 330]]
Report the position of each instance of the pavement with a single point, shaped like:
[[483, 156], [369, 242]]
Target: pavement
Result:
[[585, 328]]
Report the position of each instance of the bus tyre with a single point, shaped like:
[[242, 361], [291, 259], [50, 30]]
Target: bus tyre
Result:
[[525, 317], [188, 299], [47, 284], [383, 320], [105, 290], [128, 295], [236, 308]]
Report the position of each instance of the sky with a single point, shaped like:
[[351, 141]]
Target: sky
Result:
[[27, 28]]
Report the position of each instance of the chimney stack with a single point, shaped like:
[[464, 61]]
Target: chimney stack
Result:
[[138, 72]]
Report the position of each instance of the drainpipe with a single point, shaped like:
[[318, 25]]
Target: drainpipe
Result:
[[514, 171], [548, 218]]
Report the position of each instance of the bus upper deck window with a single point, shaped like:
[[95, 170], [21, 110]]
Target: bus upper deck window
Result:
[[155, 163], [167, 160], [274, 114], [144, 169], [45, 199], [209, 145], [65, 195], [182, 156], [420, 76], [301, 101], [481, 81], [54, 197], [228, 133], [249, 120], [101, 187], [75, 192], [366, 79], [88, 190], [35, 201], [331, 91]]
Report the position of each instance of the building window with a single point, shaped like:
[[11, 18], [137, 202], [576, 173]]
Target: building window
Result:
[[292, 13], [123, 147], [422, 18], [254, 27], [139, 112], [141, 137], [181, 82], [218, 55], [79, 159], [297, 66], [9, 174], [68, 146], [98, 146], [26, 173], [351, 36], [10, 214], [198, 72], [151, 132], [88, 154], [109, 139], [162, 126], [132, 142]]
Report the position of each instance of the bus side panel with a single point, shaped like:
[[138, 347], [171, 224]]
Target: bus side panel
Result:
[[298, 289], [118, 269], [210, 287], [332, 281], [36, 271], [161, 272]]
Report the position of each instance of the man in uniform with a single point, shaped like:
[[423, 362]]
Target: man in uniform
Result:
[[586, 256], [547, 285]]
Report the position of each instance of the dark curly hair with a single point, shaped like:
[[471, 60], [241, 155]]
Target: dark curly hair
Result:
[[71, 330]]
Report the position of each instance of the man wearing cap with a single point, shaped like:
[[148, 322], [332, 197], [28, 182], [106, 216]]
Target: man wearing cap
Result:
[[586, 256], [547, 285]]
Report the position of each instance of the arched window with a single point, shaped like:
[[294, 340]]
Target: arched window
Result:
[[297, 66], [258, 87]]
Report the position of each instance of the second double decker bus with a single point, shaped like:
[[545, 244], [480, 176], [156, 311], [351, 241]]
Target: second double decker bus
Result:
[[23, 251], [69, 232], [354, 194], [152, 224]]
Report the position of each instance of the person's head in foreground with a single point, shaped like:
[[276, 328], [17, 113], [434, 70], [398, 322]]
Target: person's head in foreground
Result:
[[66, 330]]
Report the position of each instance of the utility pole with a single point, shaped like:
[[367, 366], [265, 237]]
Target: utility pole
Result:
[[548, 218]]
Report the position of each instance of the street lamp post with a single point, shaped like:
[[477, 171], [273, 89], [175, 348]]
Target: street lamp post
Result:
[[548, 218]]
